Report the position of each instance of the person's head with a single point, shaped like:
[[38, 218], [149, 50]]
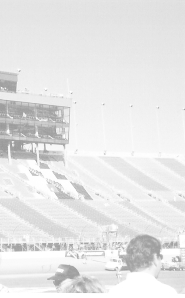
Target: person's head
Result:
[[143, 254], [82, 284], [63, 272]]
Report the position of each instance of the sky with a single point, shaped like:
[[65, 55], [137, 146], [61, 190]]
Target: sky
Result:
[[116, 52]]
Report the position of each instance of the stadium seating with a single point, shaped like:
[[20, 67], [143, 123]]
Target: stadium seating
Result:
[[180, 205], [15, 227], [99, 217], [4, 194], [134, 174], [63, 196], [159, 173], [139, 195], [174, 165], [110, 178], [59, 176], [81, 190], [139, 211], [2, 236], [35, 218], [99, 187], [14, 185], [122, 214], [44, 166], [164, 213], [69, 218]]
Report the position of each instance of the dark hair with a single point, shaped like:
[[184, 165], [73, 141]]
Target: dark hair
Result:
[[140, 252], [82, 284]]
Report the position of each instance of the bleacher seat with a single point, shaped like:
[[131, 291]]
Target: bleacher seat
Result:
[[159, 173], [139, 211], [173, 165], [68, 217], [2, 236], [111, 179], [98, 217], [35, 218], [81, 190], [14, 184], [13, 226], [59, 176], [43, 165], [134, 174], [124, 215], [125, 191], [164, 213], [63, 196], [179, 205]]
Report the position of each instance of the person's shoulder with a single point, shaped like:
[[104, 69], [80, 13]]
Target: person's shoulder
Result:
[[166, 288], [118, 287], [156, 287]]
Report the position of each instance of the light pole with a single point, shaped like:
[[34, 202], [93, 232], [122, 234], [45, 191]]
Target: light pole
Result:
[[183, 123], [158, 130], [103, 127], [17, 226], [131, 129], [82, 233], [147, 227], [75, 127]]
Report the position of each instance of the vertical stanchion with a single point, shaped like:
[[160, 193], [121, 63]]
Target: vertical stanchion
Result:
[[158, 130], [103, 128], [75, 127], [9, 154], [37, 153], [131, 129], [183, 123]]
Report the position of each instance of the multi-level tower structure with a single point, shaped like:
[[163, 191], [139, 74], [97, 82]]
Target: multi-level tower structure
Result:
[[27, 118]]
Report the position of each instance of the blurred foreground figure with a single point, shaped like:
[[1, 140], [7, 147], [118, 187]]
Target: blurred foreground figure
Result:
[[143, 259], [82, 284], [63, 272], [4, 290]]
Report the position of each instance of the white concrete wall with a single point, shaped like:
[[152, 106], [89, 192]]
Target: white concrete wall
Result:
[[30, 262]]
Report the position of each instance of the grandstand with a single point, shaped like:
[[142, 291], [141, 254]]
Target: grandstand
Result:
[[50, 197]]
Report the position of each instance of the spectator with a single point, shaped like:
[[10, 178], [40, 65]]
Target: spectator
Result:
[[82, 284], [143, 259], [63, 272], [84, 258], [118, 274]]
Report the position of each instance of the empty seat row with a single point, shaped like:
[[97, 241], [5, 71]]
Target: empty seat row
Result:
[[35, 218]]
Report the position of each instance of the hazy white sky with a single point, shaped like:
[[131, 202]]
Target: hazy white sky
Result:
[[119, 52]]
